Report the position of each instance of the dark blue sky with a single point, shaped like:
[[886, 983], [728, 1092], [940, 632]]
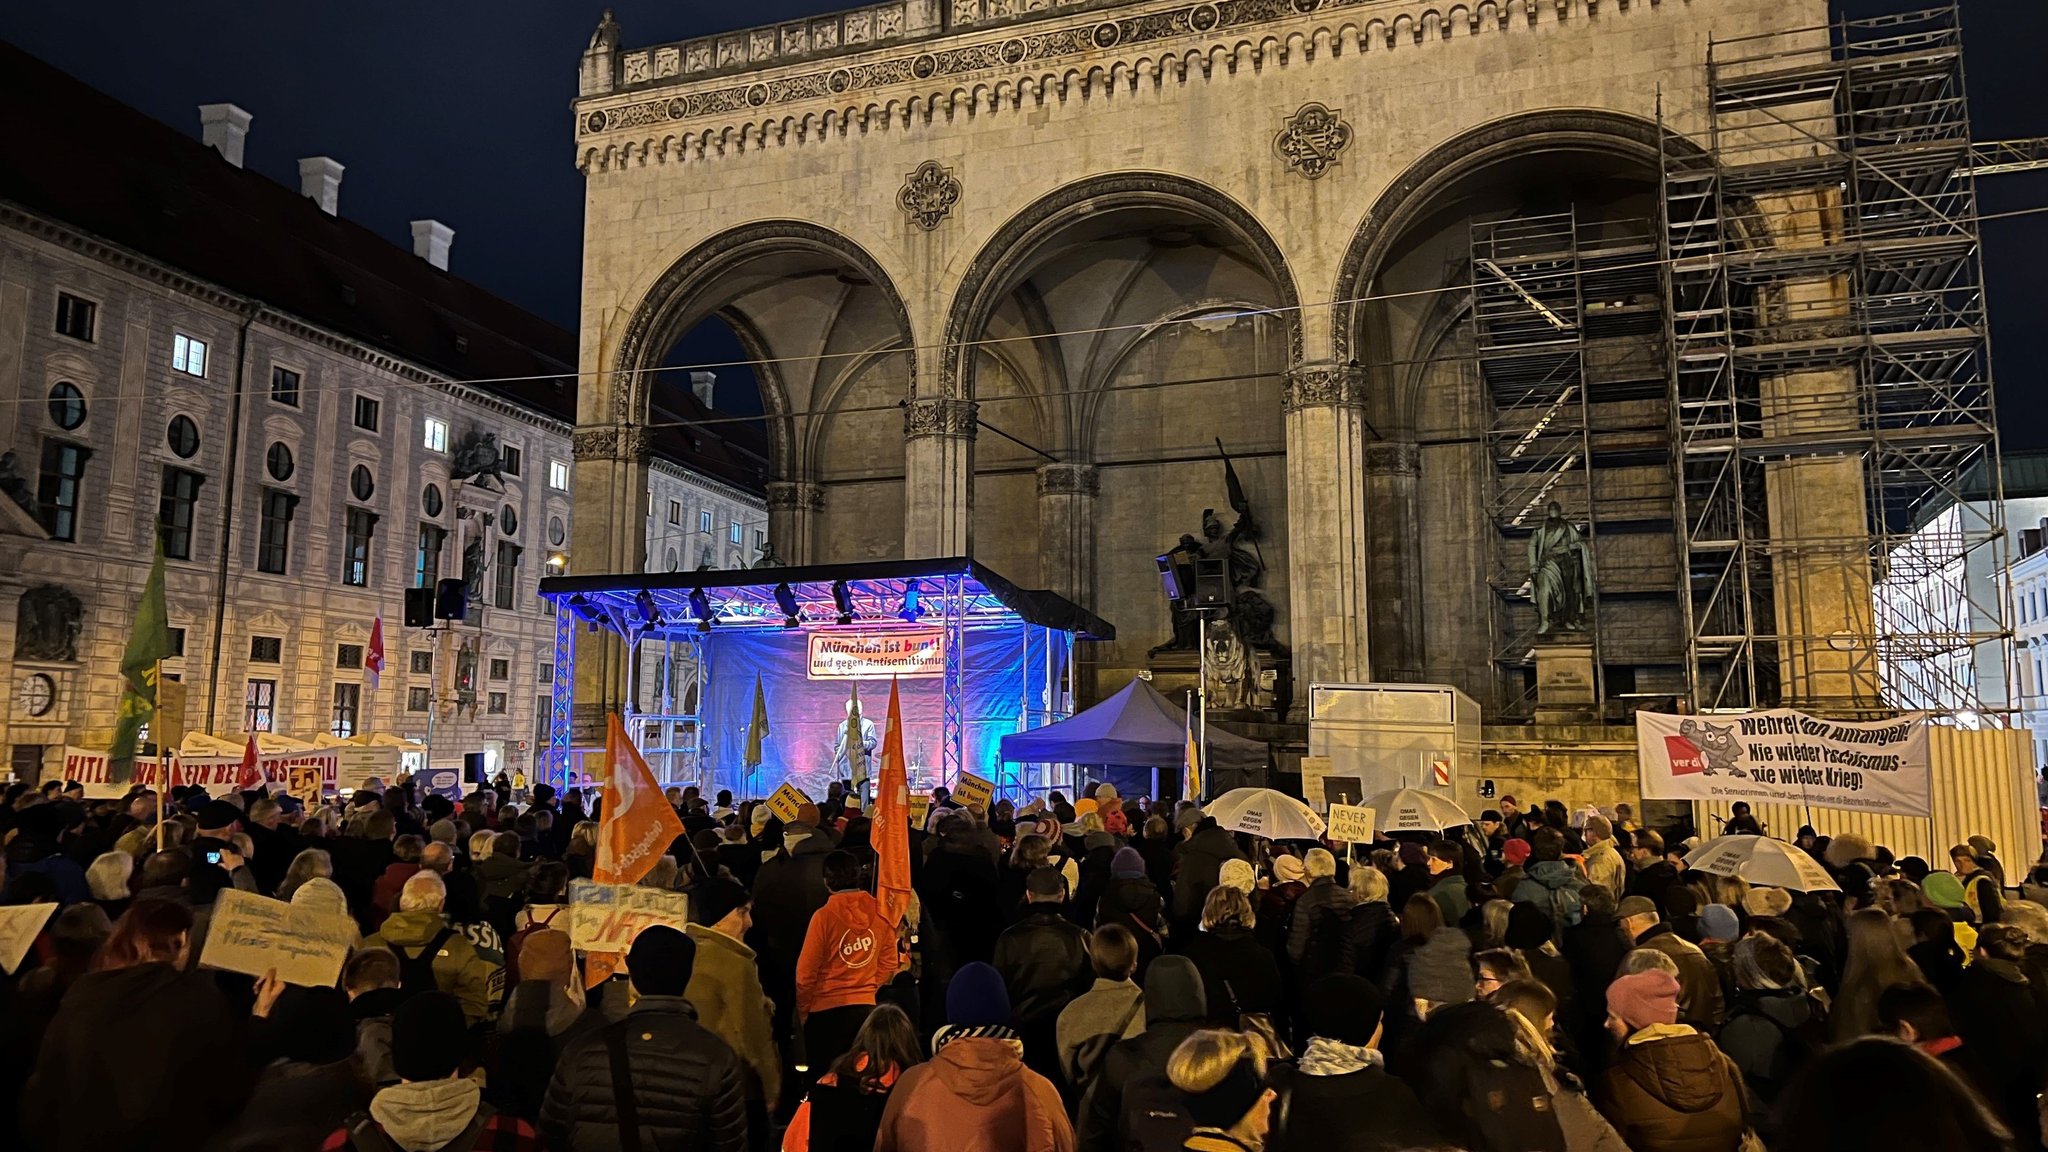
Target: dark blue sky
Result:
[[458, 110]]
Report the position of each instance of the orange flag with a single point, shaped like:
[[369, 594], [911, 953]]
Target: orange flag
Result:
[[635, 828], [891, 834]]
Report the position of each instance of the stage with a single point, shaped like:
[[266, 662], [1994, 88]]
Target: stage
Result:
[[976, 657]]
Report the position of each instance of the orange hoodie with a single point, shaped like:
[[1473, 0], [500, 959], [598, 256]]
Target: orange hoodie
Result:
[[849, 952]]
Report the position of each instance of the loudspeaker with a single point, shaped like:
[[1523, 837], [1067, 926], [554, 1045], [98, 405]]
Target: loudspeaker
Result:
[[419, 607], [451, 600], [1212, 583], [473, 768], [1170, 577]]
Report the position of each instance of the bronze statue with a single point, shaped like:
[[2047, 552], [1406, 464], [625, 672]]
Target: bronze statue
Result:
[[768, 558], [473, 569], [1560, 575], [47, 623], [477, 458], [1250, 616]]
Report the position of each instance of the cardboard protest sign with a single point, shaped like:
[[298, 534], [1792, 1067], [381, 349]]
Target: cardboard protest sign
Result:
[[1351, 824], [305, 784], [786, 801], [19, 924], [970, 789], [254, 934], [1787, 757], [606, 917]]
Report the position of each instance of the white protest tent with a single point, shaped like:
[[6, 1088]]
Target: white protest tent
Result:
[[1413, 810], [1762, 861], [1264, 812]]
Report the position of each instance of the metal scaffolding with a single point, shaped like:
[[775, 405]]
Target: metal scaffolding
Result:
[[1827, 350]]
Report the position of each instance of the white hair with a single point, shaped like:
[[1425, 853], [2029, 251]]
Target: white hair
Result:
[[1319, 864], [1368, 883], [109, 874], [424, 892]]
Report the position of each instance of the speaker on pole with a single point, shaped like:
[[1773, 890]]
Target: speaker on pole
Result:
[[473, 768], [451, 600], [419, 607]]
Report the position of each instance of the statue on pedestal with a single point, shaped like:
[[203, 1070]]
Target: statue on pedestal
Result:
[[1560, 575], [1240, 635]]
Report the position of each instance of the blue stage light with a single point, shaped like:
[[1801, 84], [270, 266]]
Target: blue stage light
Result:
[[912, 610], [785, 599], [700, 606], [842, 598]]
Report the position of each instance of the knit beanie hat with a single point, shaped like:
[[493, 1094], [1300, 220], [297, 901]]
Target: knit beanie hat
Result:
[[1718, 922], [1943, 890], [1515, 852], [217, 817], [1289, 869], [1528, 927], [715, 899], [428, 1037], [1127, 864], [1441, 970], [324, 896], [313, 1025], [807, 814], [1238, 874], [545, 955], [660, 961], [1345, 1008], [976, 998], [758, 819], [1766, 901], [1646, 998]]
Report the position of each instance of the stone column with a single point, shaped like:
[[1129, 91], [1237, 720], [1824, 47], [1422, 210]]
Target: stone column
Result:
[[608, 533], [793, 508], [1066, 529], [1324, 404], [938, 484], [1394, 564]]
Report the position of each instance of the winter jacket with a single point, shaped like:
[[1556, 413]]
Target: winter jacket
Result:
[[371, 1012], [1097, 1012], [1044, 962], [688, 1086], [959, 892], [788, 891], [849, 952], [1603, 866], [1760, 1037], [725, 990], [1995, 1013], [1323, 894], [502, 877], [1554, 886], [167, 1040], [1135, 905], [1323, 1113], [1198, 861], [1238, 975], [1671, 1090], [384, 893], [1374, 928], [1175, 1007], [294, 1105], [475, 979], [1699, 983], [539, 1021], [1449, 892], [974, 1095], [428, 1115]]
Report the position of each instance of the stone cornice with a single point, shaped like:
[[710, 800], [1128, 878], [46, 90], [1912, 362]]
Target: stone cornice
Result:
[[1058, 56]]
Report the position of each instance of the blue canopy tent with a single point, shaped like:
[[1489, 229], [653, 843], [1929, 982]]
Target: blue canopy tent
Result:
[[1136, 728]]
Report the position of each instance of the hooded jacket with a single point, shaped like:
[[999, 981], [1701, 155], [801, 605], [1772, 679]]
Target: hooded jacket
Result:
[[1672, 1090], [475, 980], [1553, 886], [1758, 1034], [849, 952], [1175, 1008], [725, 990], [974, 1095]]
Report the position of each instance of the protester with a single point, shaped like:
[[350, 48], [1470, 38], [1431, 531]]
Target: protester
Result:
[[725, 990], [1237, 973], [1341, 1076], [544, 1013], [1222, 1078], [1112, 1009], [312, 1085], [1669, 1089], [1998, 1015], [1875, 963], [844, 1110], [1700, 1003], [434, 954], [849, 954], [975, 1094], [1881, 1095], [371, 981], [1175, 1008], [433, 1106]]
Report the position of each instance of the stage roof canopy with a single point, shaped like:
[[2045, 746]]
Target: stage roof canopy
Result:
[[658, 602], [1136, 728]]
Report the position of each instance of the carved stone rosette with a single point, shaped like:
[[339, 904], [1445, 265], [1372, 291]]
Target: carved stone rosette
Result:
[[1068, 480], [1323, 386], [1393, 458], [795, 496], [613, 443], [1312, 140], [940, 416], [928, 194]]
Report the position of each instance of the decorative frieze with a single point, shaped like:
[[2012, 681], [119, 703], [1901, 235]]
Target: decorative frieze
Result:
[[1393, 458], [613, 443], [795, 496]]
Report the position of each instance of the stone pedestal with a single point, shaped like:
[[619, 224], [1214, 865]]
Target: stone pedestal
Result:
[[1566, 691]]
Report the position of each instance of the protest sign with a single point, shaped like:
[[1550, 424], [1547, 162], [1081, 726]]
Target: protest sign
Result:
[[1788, 757], [920, 808], [606, 917], [1351, 824], [971, 789], [19, 924], [254, 934], [786, 801], [305, 785]]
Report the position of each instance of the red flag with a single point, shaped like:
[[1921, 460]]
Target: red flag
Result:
[[251, 777], [891, 835], [373, 659], [634, 829]]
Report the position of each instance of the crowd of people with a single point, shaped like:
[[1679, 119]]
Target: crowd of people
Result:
[[1102, 974]]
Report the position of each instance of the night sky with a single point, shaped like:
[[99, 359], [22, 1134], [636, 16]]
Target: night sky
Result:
[[459, 110]]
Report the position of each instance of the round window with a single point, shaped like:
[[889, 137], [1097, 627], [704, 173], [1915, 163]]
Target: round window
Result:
[[67, 405], [508, 519], [362, 483], [183, 436], [279, 461], [557, 531], [671, 558], [430, 500]]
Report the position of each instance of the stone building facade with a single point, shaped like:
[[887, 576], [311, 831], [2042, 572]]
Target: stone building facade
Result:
[[1020, 267], [306, 471]]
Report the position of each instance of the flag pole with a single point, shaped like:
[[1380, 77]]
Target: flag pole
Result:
[[163, 772]]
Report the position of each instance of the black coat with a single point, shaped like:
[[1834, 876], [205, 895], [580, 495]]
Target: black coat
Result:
[[1995, 1013], [960, 895], [275, 850], [687, 1086], [295, 1105], [1198, 861], [1044, 962], [1374, 928], [1233, 964], [788, 890], [1363, 1111]]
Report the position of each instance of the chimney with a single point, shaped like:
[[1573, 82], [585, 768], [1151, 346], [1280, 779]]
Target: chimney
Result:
[[224, 128], [430, 241], [320, 180], [703, 383]]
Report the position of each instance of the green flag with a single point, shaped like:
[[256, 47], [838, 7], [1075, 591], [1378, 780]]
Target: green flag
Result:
[[757, 731], [149, 642]]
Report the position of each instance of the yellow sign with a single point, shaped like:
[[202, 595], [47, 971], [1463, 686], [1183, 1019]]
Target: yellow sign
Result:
[[970, 789], [786, 801], [304, 783], [920, 808], [1350, 824]]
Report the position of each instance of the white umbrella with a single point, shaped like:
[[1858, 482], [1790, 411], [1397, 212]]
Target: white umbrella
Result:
[[1264, 812], [1413, 810], [1762, 861]]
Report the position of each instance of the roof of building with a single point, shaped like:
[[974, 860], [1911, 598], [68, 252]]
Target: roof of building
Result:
[[71, 152]]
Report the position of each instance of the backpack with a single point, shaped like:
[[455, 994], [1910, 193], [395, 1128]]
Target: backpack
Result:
[[416, 973], [518, 940], [364, 1134], [1154, 1117]]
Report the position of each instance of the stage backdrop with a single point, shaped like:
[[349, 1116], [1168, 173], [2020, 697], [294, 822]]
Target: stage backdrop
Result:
[[1004, 682]]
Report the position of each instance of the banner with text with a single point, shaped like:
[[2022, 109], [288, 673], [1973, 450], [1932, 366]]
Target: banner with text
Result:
[[217, 774], [905, 653], [1788, 757], [606, 917]]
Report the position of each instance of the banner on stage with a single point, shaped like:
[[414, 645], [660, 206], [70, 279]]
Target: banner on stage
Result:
[[254, 934], [971, 789], [606, 917], [217, 774], [1351, 824], [19, 924], [1787, 757], [786, 800], [904, 653]]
